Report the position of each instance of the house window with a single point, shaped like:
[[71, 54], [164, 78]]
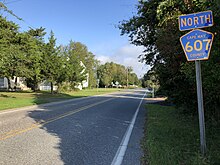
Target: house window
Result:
[[2, 82]]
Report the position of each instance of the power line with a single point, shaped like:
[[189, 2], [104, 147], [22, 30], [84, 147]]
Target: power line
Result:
[[27, 23], [12, 1]]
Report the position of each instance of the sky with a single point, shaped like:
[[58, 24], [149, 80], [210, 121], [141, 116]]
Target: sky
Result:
[[91, 22]]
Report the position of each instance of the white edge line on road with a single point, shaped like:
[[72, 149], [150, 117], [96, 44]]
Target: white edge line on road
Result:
[[124, 143]]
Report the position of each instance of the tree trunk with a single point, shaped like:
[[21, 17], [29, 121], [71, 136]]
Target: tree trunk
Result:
[[9, 83], [51, 85], [16, 83], [35, 87], [59, 87]]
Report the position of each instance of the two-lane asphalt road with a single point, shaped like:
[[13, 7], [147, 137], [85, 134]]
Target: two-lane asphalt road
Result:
[[100, 130]]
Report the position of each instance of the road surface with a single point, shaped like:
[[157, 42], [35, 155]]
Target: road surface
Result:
[[87, 131]]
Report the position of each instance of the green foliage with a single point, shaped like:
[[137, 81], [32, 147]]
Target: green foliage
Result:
[[73, 63], [150, 80], [34, 49], [12, 58], [51, 62], [111, 73], [156, 27]]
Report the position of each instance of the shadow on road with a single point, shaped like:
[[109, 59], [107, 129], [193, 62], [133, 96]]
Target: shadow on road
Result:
[[76, 131]]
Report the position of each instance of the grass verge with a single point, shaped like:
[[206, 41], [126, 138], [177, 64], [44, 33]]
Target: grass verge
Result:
[[10, 100], [173, 139]]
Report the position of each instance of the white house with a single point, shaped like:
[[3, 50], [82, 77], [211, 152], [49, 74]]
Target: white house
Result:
[[46, 86], [21, 84], [84, 83], [3, 83]]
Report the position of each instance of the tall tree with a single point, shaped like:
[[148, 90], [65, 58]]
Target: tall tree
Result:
[[75, 67], [51, 63], [11, 57], [35, 50]]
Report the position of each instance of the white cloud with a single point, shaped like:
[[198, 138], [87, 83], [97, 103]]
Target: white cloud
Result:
[[127, 55], [103, 59]]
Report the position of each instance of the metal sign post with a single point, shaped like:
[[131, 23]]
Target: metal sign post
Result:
[[200, 107]]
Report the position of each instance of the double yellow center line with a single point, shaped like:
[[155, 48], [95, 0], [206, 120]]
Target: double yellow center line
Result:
[[40, 124]]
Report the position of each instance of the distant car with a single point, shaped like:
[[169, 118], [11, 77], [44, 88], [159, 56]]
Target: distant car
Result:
[[150, 89]]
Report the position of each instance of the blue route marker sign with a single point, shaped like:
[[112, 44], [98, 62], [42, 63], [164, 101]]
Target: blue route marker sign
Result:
[[195, 20], [197, 44]]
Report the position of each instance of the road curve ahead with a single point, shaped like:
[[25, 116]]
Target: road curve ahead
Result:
[[101, 130]]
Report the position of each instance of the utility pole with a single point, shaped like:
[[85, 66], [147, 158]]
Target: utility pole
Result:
[[153, 92], [97, 78], [127, 77]]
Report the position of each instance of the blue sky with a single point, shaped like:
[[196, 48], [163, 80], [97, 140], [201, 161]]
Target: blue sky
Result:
[[92, 22]]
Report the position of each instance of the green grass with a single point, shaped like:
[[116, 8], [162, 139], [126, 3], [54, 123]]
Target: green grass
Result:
[[10, 100], [173, 139]]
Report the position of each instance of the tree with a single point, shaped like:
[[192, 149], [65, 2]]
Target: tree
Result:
[[151, 81], [142, 30], [91, 66], [35, 48], [74, 66], [105, 75], [12, 58], [156, 27], [51, 63], [88, 59], [111, 73]]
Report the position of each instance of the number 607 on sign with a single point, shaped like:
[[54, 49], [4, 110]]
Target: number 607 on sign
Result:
[[197, 44]]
